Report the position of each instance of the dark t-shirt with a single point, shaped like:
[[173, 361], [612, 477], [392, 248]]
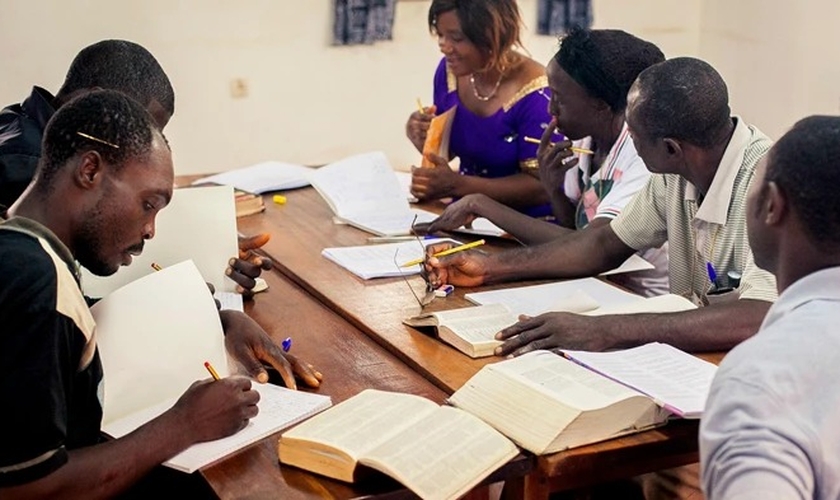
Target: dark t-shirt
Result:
[[21, 130], [51, 373]]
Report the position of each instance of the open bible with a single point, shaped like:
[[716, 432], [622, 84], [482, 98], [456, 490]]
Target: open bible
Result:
[[546, 402], [437, 452]]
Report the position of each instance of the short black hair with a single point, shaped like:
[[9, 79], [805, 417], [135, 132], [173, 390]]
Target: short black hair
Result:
[[106, 121], [685, 99], [805, 164], [120, 65], [606, 62]]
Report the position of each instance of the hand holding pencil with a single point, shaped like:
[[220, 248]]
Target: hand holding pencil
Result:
[[418, 125], [459, 268], [555, 159]]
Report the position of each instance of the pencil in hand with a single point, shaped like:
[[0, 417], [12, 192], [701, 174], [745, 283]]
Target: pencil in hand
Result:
[[581, 151], [444, 253]]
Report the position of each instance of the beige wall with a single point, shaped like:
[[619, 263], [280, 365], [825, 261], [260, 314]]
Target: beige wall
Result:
[[310, 102]]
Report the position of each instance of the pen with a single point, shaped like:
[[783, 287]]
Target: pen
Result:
[[396, 239], [444, 253], [710, 269], [156, 267], [211, 370], [581, 151], [420, 106], [287, 344]]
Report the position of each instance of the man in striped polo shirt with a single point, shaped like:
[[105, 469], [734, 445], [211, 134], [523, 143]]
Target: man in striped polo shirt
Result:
[[679, 117]]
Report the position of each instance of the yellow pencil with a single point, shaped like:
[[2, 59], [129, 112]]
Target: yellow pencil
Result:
[[420, 106], [581, 151], [211, 370], [444, 253]]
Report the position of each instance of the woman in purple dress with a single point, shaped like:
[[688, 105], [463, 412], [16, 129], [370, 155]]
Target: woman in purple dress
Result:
[[501, 97]]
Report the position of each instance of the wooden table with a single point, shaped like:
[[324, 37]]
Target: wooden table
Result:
[[303, 226]]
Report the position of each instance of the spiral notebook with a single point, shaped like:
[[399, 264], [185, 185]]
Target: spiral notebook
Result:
[[279, 408]]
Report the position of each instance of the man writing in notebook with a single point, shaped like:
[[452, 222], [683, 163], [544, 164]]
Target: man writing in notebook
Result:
[[678, 115], [109, 64], [770, 426], [105, 173]]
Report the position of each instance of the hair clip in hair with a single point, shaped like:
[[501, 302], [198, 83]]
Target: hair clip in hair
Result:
[[96, 139]]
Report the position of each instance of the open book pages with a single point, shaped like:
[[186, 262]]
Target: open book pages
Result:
[[471, 330], [381, 261], [198, 224], [546, 403], [263, 177], [279, 408], [659, 304], [438, 453], [576, 296], [364, 191], [677, 380]]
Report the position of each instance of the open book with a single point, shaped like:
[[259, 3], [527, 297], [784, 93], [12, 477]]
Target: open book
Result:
[[547, 403], [471, 330], [263, 177], [437, 452], [363, 191], [154, 336], [583, 296]]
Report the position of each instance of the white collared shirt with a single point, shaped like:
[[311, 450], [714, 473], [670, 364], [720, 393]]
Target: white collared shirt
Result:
[[770, 428]]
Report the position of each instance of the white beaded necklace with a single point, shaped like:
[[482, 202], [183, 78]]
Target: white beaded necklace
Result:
[[487, 97]]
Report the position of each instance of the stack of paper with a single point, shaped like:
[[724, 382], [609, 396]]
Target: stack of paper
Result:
[[263, 177]]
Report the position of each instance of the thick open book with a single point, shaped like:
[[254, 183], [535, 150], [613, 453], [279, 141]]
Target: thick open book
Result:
[[437, 452], [471, 330], [363, 191], [547, 403], [583, 296], [154, 336]]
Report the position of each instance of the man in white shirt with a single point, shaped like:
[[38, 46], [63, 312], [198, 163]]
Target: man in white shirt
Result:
[[771, 427]]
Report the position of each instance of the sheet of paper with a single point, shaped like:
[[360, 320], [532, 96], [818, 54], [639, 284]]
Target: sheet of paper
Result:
[[154, 336], [199, 224], [377, 261], [404, 179], [634, 263], [482, 227], [279, 408], [673, 378], [572, 296], [388, 222], [263, 177], [229, 301]]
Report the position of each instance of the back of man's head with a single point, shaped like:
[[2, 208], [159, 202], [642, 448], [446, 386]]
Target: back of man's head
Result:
[[805, 164], [124, 66], [606, 62], [683, 99], [106, 121]]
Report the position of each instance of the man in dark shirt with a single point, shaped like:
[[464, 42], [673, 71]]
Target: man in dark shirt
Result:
[[109, 64], [105, 174]]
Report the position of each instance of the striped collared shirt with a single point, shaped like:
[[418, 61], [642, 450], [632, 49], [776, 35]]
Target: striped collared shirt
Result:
[[701, 232]]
